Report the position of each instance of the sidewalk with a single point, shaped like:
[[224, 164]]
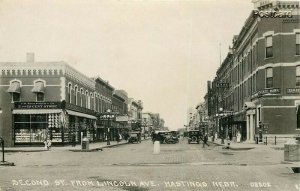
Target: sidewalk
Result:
[[245, 145], [92, 147]]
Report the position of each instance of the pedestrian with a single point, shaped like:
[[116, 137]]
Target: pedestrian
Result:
[[205, 139], [118, 138], [216, 135], [48, 144]]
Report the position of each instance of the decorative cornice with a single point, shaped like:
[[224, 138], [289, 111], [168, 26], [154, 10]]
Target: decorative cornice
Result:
[[45, 68]]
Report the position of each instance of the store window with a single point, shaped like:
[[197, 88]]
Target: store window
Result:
[[269, 77], [15, 90], [269, 46], [298, 75], [36, 128], [297, 43]]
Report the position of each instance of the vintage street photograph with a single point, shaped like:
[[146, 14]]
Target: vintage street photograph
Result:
[[150, 95]]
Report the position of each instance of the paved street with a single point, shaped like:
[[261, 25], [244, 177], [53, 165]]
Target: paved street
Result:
[[179, 166]]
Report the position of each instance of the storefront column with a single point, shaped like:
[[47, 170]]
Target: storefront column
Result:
[[248, 127], [251, 128]]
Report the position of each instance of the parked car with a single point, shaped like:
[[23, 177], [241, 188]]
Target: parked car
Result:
[[194, 136], [134, 136]]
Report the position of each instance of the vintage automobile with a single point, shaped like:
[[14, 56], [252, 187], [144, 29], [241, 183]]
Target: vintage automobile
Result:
[[164, 137], [194, 136], [135, 136], [175, 136]]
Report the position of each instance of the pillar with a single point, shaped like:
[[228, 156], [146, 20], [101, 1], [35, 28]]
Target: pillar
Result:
[[251, 124], [248, 127]]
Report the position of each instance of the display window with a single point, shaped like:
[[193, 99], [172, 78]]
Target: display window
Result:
[[36, 128]]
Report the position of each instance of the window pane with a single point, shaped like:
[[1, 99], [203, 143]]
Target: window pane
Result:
[[269, 52], [298, 71], [269, 72], [16, 96], [39, 96], [298, 81], [21, 118], [269, 41], [298, 38], [269, 82], [297, 49], [38, 118]]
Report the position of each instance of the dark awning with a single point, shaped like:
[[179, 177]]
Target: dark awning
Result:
[[38, 87], [14, 88]]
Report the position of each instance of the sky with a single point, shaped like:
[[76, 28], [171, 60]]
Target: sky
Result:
[[161, 52]]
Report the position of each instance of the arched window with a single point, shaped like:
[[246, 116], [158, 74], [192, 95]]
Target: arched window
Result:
[[87, 99], [69, 92], [75, 94], [81, 97], [39, 90], [15, 90]]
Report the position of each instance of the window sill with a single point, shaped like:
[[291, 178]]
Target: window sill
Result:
[[269, 58]]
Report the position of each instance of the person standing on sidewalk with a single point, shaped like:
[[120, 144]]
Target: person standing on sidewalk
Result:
[[205, 139]]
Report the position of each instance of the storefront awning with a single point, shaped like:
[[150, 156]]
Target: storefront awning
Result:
[[36, 111], [70, 112], [38, 87], [14, 88]]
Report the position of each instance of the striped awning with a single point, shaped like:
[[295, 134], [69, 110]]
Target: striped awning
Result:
[[70, 112], [38, 87], [36, 111], [14, 88]]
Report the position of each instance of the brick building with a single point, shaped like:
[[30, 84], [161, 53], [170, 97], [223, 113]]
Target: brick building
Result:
[[45, 100], [256, 90]]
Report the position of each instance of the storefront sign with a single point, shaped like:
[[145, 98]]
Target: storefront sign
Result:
[[266, 91], [293, 90], [222, 85], [37, 105]]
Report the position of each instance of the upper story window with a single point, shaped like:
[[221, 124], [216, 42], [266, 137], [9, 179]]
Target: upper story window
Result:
[[297, 43], [75, 93], [70, 92], [298, 75], [15, 90], [39, 89], [269, 46], [269, 77], [81, 96]]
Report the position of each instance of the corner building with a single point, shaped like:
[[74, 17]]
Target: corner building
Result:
[[42, 100], [263, 73]]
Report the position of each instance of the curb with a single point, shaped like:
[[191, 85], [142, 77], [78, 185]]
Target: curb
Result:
[[232, 148], [22, 151]]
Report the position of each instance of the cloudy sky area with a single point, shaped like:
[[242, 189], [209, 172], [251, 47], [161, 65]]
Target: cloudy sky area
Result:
[[162, 52]]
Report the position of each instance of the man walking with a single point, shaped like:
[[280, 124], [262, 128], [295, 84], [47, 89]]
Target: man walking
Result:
[[205, 139]]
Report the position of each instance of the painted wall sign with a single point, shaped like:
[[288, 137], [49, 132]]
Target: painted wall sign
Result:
[[293, 90], [37, 105]]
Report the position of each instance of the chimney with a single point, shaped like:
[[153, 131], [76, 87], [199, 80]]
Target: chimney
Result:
[[30, 57]]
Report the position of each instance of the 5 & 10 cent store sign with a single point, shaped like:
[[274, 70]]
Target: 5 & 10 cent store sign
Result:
[[37, 105]]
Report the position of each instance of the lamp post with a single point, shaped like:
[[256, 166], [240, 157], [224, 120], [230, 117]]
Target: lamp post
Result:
[[107, 117], [221, 125]]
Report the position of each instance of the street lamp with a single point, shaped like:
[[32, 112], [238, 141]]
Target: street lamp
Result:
[[221, 124], [108, 116]]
